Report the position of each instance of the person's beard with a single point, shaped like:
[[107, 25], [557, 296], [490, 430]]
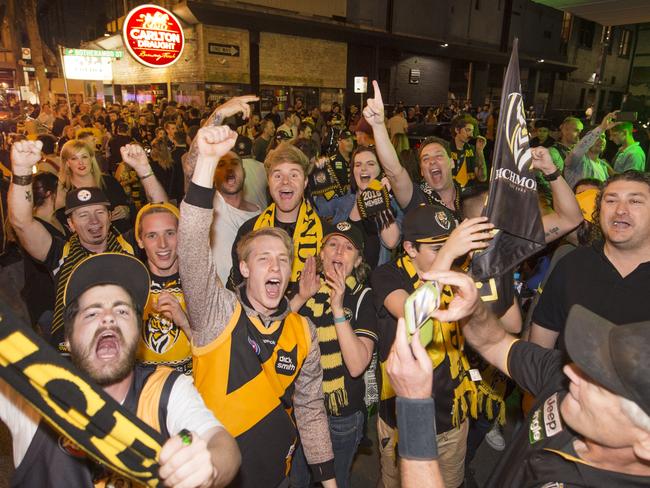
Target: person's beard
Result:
[[83, 359]]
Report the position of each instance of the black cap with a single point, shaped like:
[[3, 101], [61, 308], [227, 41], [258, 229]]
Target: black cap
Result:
[[243, 146], [82, 197], [282, 136], [428, 224], [347, 230], [615, 356], [109, 269], [345, 134]]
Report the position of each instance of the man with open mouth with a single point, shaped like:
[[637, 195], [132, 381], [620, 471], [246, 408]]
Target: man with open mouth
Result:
[[88, 216], [256, 363], [438, 185], [104, 298]]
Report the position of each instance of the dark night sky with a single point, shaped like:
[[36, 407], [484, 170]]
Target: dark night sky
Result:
[[70, 22]]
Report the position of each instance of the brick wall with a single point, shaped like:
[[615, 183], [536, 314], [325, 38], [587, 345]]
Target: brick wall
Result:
[[225, 69], [299, 61], [188, 69]]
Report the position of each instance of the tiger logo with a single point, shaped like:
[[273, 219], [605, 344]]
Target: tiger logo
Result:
[[159, 333]]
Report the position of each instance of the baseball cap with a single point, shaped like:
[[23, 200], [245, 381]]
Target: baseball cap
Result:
[[109, 268], [243, 146], [347, 230], [82, 197], [615, 356], [345, 134], [282, 136], [428, 224]]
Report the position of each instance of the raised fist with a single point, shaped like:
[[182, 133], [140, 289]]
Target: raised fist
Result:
[[135, 157], [215, 142], [24, 155]]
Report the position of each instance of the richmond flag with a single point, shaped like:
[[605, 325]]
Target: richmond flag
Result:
[[74, 406], [512, 200]]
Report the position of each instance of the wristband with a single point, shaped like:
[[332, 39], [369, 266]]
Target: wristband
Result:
[[24, 180], [340, 320], [150, 173], [416, 426], [553, 176]]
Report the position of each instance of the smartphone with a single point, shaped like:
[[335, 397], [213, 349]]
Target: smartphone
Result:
[[418, 309], [626, 116]]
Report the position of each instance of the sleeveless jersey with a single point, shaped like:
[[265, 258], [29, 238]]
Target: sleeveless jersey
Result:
[[247, 376]]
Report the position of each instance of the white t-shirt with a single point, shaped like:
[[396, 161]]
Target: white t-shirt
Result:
[[185, 410], [226, 222], [256, 182]]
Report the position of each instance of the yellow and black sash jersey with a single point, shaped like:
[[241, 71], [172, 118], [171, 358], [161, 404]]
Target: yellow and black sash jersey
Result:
[[464, 164], [162, 341], [246, 377], [454, 391], [61, 463]]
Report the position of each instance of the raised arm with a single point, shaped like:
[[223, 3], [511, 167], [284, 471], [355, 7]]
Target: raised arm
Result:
[[209, 304], [34, 238], [566, 214], [231, 107], [398, 176], [134, 156]]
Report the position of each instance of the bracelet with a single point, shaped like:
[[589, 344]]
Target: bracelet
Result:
[[553, 176], [340, 320], [150, 173], [24, 180], [417, 428]]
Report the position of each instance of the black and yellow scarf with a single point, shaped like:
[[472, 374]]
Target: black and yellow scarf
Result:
[[448, 342], [73, 253], [307, 236], [324, 182], [319, 311]]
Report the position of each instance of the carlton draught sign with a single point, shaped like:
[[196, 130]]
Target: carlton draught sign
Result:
[[153, 36]]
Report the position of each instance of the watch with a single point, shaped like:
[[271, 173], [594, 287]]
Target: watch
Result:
[[553, 176]]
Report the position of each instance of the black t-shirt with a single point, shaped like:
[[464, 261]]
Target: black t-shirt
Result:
[[386, 279], [38, 292], [359, 309], [541, 454], [585, 276], [419, 197], [371, 240]]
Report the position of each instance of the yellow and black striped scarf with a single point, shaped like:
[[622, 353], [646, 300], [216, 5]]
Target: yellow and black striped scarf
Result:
[[73, 252], [306, 237], [319, 311], [448, 342]]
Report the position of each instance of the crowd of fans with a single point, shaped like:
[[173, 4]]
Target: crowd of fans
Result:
[[279, 252]]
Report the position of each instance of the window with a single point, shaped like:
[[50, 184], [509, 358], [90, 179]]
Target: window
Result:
[[607, 37], [625, 43], [586, 33]]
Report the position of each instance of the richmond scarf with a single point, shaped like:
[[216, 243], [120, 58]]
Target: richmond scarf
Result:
[[306, 238]]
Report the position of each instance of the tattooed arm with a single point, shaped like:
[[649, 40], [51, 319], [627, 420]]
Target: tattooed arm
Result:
[[34, 238], [231, 107]]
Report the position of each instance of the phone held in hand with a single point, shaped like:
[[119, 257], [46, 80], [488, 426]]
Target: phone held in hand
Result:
[[418, 309]]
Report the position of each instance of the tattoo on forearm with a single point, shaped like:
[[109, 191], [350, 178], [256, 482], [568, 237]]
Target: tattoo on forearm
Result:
[[28, 195], [214, 120], [552, 231]]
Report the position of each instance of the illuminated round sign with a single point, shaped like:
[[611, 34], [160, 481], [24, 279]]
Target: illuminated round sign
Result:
[[153, 36]]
